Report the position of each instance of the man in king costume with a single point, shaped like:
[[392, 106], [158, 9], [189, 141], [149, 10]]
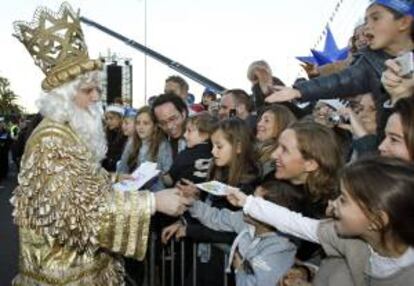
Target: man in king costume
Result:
[[73, 227]]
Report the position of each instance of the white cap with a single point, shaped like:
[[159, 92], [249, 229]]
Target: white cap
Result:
[[116, 108]]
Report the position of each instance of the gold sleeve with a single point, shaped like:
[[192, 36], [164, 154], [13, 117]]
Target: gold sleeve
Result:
[[125, 223]]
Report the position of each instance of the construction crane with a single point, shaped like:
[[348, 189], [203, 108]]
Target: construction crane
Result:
[[159, 57]]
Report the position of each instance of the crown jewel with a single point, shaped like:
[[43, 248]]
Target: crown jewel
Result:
[[56, 43]]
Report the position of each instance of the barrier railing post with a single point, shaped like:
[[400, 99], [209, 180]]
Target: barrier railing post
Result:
[[172, 265], [168, 255], [194, 264], [151, 267], [163, 266], [226, 258], [182, 243]]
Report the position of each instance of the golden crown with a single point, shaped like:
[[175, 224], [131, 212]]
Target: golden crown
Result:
[[56, 43]]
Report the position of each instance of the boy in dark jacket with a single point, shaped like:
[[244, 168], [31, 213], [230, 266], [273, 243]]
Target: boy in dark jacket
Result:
[[193, 162], [389, 29]]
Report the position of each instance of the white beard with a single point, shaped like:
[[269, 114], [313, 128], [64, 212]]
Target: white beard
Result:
[[59, 106], [87, 124]]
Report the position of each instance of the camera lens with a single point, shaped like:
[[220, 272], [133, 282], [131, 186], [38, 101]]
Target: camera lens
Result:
[[334, 119]]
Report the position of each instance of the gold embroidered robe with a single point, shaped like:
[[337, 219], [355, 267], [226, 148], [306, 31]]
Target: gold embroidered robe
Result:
[[73, 227]]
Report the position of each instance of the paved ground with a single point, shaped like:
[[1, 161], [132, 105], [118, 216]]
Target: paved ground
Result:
[[8, 232]]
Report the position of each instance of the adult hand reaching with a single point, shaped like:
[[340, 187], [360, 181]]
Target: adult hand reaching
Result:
[[177, 229], [188, 189], [310, 69], [170, 231], [354, 126], [264, 78], [170, 202], [282, 94], [396, 85]]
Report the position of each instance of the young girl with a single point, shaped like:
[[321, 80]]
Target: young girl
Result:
[[399, 131], [148, 144], [233, 155], [128, 122], [274, 119], [370, 239], [233, 164]]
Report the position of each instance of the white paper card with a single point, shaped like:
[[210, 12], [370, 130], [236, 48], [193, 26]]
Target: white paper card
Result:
[[214, 187], [143, 174]]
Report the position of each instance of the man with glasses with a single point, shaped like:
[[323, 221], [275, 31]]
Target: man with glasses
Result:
[[171, 112]]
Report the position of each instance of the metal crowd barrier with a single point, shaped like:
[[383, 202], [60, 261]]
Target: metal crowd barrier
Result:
[[163, 270]]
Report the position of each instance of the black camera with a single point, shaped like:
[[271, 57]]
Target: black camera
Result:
[[336, 119]]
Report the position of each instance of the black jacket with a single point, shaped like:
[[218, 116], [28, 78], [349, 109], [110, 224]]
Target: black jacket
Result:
[[116, 143], [362, 76], [192, 163]]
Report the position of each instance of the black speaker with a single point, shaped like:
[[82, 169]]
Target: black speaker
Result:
[[114, 83]]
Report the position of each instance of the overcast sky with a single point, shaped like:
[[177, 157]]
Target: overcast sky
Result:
[[217, 38]]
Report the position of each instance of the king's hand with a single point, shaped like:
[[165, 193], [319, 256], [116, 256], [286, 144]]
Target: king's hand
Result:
[[171, 202]]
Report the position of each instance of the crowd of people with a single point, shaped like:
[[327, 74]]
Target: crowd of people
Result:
[[12, 138], [320, 175]]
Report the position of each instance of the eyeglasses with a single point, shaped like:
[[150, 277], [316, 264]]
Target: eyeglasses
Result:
[[172, 120]]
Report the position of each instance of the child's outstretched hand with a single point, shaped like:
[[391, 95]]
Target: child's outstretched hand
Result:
[[396, 85], [237, 260], [188, 189], [236, 197]]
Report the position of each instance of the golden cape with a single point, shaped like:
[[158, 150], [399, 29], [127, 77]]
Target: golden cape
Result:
[[73, 227]]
